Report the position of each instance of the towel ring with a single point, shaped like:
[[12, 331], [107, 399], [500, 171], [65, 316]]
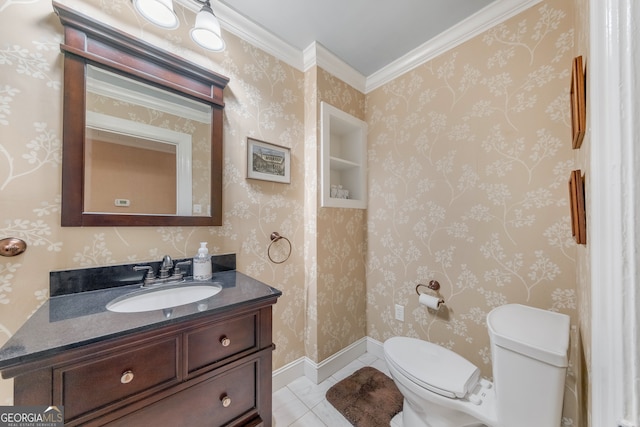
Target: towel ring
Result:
[[275, 236]]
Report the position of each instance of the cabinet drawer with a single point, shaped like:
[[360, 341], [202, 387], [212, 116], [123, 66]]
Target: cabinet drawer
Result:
[[227, 398], [87, 386], [215, 342]]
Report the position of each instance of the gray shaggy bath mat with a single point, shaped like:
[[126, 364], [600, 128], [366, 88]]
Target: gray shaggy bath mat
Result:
[[367, 398]]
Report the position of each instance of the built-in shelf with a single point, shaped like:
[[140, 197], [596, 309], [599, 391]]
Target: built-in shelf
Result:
[[343, 141]]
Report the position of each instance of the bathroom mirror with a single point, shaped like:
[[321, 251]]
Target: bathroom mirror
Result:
[[142, 132]]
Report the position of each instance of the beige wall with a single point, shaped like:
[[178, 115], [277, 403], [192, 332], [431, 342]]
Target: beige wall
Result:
[[469, 155], [469, 158], [111, 169], [311, 204], [340, 241], [334, 238]]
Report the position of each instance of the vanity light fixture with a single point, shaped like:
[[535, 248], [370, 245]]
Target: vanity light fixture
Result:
[[158, 12], [206, 31]]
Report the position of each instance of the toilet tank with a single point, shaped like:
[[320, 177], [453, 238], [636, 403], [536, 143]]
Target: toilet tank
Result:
[[529, 352]]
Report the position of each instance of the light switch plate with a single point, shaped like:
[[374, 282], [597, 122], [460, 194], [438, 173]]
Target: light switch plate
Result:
[[400, 312]]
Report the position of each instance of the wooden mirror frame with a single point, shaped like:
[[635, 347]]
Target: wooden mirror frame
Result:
[[87, 41]]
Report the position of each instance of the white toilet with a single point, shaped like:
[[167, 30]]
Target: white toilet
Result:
[[442, 389]]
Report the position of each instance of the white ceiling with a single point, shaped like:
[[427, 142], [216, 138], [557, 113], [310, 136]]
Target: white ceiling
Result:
[[366, 34], [363, 42]]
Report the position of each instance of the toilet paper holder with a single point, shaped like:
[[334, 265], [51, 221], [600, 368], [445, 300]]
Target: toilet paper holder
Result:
[[430, 301], [433, 285]]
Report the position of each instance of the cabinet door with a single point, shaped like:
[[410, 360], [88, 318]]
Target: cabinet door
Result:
[[229, 397]]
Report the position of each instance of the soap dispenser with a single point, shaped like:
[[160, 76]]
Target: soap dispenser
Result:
[[202, 263]]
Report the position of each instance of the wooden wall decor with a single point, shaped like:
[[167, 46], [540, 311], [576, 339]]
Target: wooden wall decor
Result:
[[578, 103], [578, 214]]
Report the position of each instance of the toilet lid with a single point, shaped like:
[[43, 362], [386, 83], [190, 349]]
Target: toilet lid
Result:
[[433, 367]]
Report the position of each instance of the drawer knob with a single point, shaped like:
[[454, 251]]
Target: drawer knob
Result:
[[225, 341], [226, 401], [126, 377]]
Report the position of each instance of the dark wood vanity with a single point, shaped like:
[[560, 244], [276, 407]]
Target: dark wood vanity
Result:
[[202, 364], [212, 371]]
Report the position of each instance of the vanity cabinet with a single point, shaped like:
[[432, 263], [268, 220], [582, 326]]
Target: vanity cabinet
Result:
[[214, 370]]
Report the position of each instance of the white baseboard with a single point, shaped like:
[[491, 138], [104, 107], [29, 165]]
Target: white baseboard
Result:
[[375, 348], [318, 372]]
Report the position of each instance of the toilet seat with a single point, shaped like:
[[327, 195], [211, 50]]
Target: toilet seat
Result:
[[431, 366]]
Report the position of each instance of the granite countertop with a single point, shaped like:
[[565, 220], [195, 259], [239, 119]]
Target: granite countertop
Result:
[[72, 320]]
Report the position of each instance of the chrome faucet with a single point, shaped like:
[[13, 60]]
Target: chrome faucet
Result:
[[164, 277], [167, 264]]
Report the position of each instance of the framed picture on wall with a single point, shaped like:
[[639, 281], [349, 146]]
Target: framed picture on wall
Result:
[[268, 162], [578, 214], [578, 103]]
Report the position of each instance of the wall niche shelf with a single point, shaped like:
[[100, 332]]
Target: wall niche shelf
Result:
[[343, 140]]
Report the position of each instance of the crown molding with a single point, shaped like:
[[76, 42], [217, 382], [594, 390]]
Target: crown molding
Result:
[[316, 54], [486, 18]]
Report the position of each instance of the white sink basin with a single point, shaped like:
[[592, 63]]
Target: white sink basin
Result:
[[158, 299]]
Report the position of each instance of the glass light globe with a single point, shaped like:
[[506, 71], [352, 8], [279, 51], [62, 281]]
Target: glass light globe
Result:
[[206, 31], [158, 12]]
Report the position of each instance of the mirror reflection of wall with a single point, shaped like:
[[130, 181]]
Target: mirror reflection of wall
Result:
[[111, 167], [147, 150]]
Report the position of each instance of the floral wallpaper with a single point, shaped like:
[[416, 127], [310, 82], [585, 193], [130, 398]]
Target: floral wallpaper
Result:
[[469, 158], [334, 242], [311, 204], [341, 247]]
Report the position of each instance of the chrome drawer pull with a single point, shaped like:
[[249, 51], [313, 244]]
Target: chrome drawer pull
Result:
[[225, 341], [226, 401], [126, 377]]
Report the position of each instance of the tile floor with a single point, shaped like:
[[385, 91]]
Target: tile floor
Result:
[[302, 403]]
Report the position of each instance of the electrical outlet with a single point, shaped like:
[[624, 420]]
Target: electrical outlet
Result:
[[400, 312]]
